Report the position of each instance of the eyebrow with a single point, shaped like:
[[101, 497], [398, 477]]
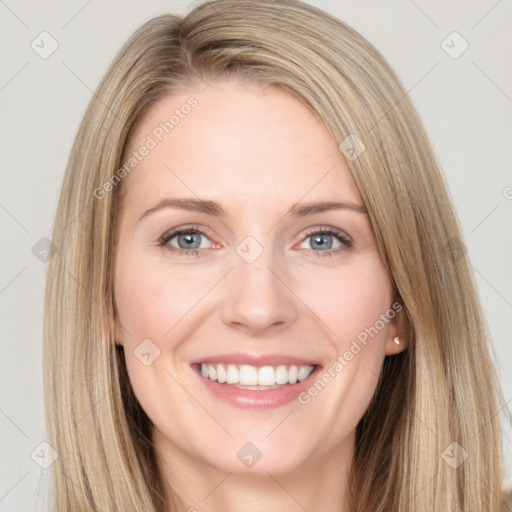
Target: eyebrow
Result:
[[214, 208]]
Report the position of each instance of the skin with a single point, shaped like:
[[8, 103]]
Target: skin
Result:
[[257, 152]]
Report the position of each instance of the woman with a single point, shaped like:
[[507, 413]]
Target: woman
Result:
[[260, 298]]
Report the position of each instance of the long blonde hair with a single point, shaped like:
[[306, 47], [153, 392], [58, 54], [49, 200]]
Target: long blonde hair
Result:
[[441, 390]]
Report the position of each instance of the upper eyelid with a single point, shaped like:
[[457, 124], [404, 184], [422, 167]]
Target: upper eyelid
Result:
[[187, 227]]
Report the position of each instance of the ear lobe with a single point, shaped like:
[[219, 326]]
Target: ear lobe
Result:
[[396, 344], [398, 335]]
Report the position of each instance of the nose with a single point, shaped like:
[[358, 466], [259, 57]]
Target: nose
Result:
[[257, 297]]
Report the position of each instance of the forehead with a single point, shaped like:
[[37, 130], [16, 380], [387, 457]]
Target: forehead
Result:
[[235, 142]]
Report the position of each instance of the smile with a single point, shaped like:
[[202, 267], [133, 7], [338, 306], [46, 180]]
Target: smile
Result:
[[253, 377], [255, 381]]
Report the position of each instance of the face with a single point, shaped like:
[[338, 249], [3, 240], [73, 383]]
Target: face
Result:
[[255, 325]]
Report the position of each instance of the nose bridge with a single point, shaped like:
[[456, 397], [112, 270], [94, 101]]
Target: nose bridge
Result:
[[255, 295]]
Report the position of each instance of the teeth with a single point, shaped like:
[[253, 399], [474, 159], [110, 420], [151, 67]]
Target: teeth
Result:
[[232, 374], [281, 375], [221, 373], [266, 376], [302, 373], [292, 374], [248, 375], [252, 376]]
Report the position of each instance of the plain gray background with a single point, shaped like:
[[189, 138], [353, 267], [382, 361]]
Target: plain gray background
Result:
[[465, 103]]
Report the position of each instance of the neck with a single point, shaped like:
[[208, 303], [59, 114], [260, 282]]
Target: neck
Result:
[[198, 487]]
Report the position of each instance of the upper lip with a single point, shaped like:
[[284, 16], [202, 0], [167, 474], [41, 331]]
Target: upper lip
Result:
[[256, 360]]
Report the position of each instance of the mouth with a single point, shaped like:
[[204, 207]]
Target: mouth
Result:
[[253, 377], [252, 382]]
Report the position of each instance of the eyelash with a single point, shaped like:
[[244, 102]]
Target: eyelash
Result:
[[345, 241]]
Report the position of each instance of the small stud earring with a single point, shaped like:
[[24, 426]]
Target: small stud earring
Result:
[[396, 340]]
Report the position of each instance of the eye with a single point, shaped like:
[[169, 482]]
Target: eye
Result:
[[323, 239], [188, 240]]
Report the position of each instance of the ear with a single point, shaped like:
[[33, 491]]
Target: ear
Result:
[[398, 332]]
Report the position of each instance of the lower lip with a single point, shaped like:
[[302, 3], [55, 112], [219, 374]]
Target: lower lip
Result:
[[248, 398]]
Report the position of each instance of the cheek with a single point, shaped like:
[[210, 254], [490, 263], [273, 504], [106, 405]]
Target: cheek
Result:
[[151, 300], [352, 305], [350, 300]]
